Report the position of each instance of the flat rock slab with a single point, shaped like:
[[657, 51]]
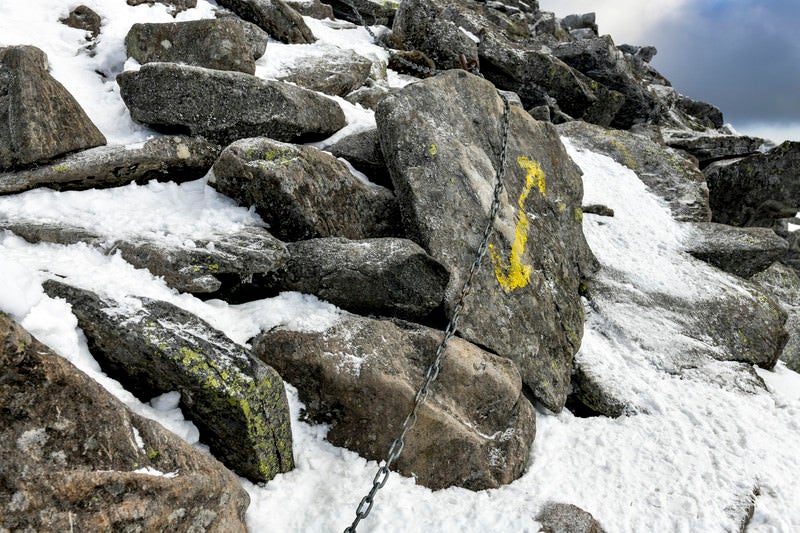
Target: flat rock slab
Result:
[[225, 106], [740, 251], [171, 158], [360, 377], [709, 148], [74, 458], [275, 17], [39, 118], [151, 347], [302, 192], [442, 138]]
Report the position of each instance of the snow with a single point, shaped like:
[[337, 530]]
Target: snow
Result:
[[699, 451]]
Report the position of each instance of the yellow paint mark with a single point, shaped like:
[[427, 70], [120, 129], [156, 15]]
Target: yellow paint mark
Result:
[[514, 274], [433, 150]]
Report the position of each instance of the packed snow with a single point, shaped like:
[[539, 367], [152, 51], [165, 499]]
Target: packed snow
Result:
[[683, 467]]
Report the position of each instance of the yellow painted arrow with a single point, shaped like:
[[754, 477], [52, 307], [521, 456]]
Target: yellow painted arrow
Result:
[[514, 274]]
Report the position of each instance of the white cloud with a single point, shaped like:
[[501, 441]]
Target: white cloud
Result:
[[773, 131]]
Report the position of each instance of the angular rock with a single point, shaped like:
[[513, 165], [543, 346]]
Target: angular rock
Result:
[[335, 71], [644, 53], [367, 97], [302, 192], [255, 37], [211, 43], [443, 157], [225, 106], [758, 189], [389, 277], [670, 174], [39, 118], [311, 8], [783, 284], [151, 347], [360, 377], [580, 21], [273, 16], [176, 6], [171, 158], [740, 251], [708, 148], [84, 18], [74, 458], [373, 13], [566, 518], [709, 115], [363, 151]]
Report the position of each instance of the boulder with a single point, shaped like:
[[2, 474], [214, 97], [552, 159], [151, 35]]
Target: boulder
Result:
[[74, 458], [360, 377], [39, 118], [643, 53], [176, 6], [783, 284], [755, 190], [363, 151], [255, 37], [171, 158], [709, 115], [332, 71], [580, 21], [566, 518], [740, 251], [312, 8], [443, 158], [151, 347], [708, 148], [674, 177], [302, 192], [372, 13], [367, 97], [390, 277], [84, 18], [211, 43], [273, 16], [225, 106]]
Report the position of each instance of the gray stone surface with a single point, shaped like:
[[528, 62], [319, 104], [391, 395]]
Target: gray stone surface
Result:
[[708, 148], [238, 403], [337, 72], [372, 12], [312, 8], [275, 17], [566, 518], [360, 377], [176, 6], [363, 151], [783, 283], [740, 251], [84, 18]]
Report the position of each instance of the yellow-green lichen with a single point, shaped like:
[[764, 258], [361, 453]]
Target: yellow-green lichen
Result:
[[578, 215], [432, 150]]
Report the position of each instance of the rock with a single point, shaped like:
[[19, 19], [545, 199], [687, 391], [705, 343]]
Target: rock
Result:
[[566, 518], [255, 37], [389, 277], [302, 192], [311, 8], [399, 62], [176, 6], [75, 458], [360, 377], [669, 173], [152, 347], [83, 18], [39, 119], [373, 13], [755, 190], [584, 21], [708, 114], [597, 209], [643, 53], [225, 106], [742, 509], [783, 283], [363, 151], [708, 148], [162, 158], [36, 232], [740, 251], [211, 43], [333, 71], [273, 16], [442, 157], [367, 97]]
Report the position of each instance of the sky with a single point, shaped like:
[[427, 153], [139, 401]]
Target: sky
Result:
[[741, 55]]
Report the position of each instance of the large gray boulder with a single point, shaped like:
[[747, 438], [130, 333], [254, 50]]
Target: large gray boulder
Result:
[[390, 277], [255, 37], [708, 148], [74, 458], [210, 43], [39, 118], [740, 251], [755, 190], [668, 172], [312, 8], [273, 16], [360, 376], [783, 284], [443, 159], [336, 72], [225, 106], [302, 192], [170, 158], [151, 347]]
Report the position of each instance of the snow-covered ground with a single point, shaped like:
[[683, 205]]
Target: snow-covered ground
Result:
[[680, 468]]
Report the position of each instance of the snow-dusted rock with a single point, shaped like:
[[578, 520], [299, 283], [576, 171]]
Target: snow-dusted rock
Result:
[[275, 17], [84, 18], [39, 118], [302, 192], [566, 518], [360, 377], [176, 6], [443, 156], [74, 458], [225, 106], [740, 251], [312, 8], [337, 72], [171, 158], [238, 403]]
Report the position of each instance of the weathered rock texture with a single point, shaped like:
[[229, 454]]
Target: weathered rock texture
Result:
[[153, 347], [336, 72], [210, 43], [712, 147], [255, 37], [372, 12], [170, 158], [566, 518], [84, 18], [363, 151], [782, 283], [740, 251], [312, 8], [74, 458], [176, 6], [302, 192], [225, 106], [39, 119], [443, 158], [361, 375], [273, 16]]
